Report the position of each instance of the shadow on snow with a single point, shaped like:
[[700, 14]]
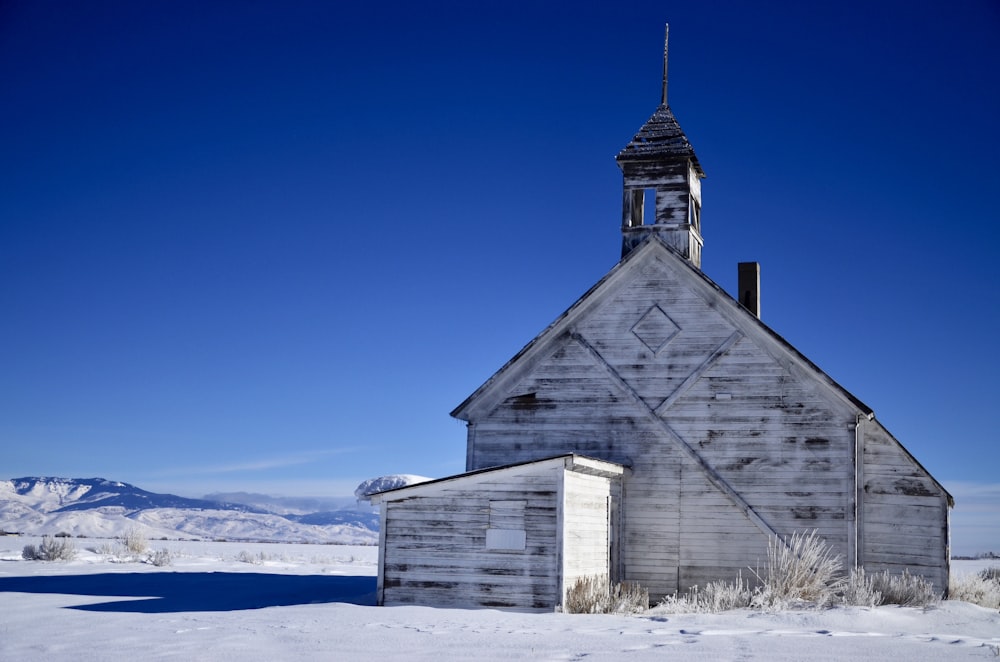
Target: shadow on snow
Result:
[[165, 592]]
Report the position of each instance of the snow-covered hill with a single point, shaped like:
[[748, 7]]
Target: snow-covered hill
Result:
[[365, 490], [96, 507]]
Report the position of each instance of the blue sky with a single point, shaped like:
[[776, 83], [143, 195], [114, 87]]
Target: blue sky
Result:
[[269, 246]]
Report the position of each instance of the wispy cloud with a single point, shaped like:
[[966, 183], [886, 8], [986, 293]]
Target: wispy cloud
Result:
[[200, 486], [974, 491], [261, 464]]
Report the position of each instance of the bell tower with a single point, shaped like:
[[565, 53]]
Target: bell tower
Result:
[[662, 183]]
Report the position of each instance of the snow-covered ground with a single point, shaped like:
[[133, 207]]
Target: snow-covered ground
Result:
[[244, 601]]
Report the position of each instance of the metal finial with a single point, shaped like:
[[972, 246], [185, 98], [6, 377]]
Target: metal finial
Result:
[[666, 41]]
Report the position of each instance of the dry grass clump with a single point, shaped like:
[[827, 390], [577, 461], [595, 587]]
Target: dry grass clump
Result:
[[883, 588], [132, 546], [859, 590], [715, 597], [991, 574], [905, 590], [597, 595], [800, 569], [982, 588]]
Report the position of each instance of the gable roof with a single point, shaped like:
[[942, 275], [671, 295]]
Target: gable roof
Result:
[[493, 390], [908, 454], [660, 138]]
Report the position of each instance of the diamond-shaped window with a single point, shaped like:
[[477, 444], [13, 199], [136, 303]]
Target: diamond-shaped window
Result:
[[655, 329]]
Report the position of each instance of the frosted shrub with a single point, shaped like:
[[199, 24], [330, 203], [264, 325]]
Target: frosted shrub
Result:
[[982, 589], [160, 557], [860, 591], [906, 590], [629, 598], [596, 595], [133, 541], [50, 549], [679, 604], [715, 597], [246, 557], [723, 596], [801, 569]]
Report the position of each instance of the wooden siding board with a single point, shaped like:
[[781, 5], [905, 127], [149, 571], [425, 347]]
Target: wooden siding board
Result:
[[905, 512]]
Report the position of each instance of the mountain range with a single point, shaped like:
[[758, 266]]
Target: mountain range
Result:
[[100, 508]]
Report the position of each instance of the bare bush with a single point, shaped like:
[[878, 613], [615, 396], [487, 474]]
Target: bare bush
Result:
[[50, 549], [133, 540], [802, 568], [597, 595]]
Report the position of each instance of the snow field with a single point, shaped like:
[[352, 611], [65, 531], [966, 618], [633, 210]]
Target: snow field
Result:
[[293, 601]]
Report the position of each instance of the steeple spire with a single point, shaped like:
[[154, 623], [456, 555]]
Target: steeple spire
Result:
[[662, 183], [666, 44]]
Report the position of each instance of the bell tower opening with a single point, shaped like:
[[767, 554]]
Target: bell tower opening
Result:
[[643, 207]]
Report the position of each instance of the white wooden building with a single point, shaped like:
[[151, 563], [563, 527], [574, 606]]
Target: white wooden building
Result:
[[515, 536], [729, 434]]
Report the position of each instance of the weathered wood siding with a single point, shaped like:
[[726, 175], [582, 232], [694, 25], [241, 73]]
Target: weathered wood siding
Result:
[[435, 550], [586, 518], [676, 191], [728, 438], [905, 513]]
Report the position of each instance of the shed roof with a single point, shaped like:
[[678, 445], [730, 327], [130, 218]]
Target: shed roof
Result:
[[570, 461]]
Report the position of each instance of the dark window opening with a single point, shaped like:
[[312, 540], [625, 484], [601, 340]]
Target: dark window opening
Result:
[[649, 207]]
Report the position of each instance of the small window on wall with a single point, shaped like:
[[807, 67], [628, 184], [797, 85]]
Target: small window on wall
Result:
[[506, 530]]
